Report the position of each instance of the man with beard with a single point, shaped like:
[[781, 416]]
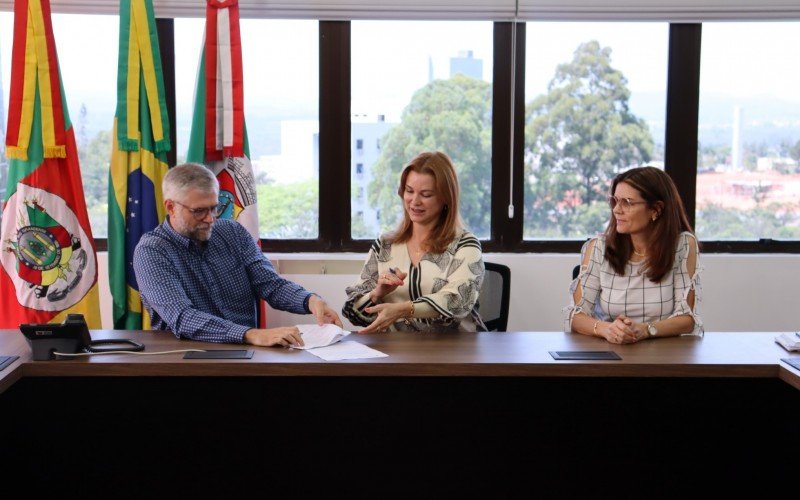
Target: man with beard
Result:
[[201, 278]]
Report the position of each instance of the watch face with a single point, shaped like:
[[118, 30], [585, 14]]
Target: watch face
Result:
[[652, 330]]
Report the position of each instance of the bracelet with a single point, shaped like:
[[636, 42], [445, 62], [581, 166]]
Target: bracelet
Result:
[[410, 315], [594, 328]]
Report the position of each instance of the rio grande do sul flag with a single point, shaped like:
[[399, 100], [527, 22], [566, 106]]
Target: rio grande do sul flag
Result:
[[49, 263], [138, 157], [219, 138]]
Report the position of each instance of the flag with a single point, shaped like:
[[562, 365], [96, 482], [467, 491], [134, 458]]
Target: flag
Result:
[[218, 137], [49, 262], [138, 157]]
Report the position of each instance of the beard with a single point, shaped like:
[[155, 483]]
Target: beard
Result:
[[200, 232]]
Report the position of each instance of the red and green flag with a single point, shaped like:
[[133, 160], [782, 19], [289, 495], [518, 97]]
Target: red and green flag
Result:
[[219, 137], [138, 157], [49, 262]]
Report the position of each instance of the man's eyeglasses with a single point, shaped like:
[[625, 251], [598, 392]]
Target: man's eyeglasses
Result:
[[201, 213], [625, 203]]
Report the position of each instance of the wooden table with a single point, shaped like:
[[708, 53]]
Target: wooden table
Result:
[[490, 414]]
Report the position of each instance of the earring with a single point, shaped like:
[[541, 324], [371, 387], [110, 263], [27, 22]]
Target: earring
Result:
[[655, 217]]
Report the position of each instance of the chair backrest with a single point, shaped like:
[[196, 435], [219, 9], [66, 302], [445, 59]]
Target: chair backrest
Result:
[[495, 296], [576, 271]]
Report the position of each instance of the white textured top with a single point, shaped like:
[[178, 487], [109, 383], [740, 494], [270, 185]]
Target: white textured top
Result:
[[444, 287], [606, 294]]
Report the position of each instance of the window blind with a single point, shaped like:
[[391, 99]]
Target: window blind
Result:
[[493, 10]]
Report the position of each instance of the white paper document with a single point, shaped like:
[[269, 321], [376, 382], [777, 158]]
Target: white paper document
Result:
[[320, 335], [346, 350]]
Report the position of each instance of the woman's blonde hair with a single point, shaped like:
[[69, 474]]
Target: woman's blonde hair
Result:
[[440, 167]]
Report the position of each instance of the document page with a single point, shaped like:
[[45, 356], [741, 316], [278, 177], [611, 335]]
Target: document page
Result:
[[320, 335], [347, 350]]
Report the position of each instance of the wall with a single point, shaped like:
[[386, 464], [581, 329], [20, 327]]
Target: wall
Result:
[[740, 292]]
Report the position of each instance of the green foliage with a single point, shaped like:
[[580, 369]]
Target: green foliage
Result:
[[289, 211], [452, 116], [95, 161], [577, 137], [773, 221]]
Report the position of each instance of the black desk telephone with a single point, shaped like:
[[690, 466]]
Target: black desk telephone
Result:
[[72, 336]]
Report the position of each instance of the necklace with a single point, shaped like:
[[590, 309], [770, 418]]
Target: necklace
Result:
[[418, 251], [639, 253]]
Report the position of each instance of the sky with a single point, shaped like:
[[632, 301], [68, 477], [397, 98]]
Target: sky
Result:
[[391, 59]]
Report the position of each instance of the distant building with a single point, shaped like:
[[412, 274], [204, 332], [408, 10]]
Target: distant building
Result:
[[467, 65], [367, 132], [299, 160], [299, 157]]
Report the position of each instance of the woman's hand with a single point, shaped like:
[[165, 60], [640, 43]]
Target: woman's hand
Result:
[[388, 314], [621, 331], [387, 283]]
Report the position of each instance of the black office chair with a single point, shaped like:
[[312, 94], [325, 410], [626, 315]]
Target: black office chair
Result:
[[576, 271], [495, 296]]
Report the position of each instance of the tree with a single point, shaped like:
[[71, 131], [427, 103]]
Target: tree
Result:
[[715, 222], [288, 211], [452, 116], [95, 160], [577, 137]]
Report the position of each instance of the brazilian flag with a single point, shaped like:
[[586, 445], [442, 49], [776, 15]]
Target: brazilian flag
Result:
[[138, 157]]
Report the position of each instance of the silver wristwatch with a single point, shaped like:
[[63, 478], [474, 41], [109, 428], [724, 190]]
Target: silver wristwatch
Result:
[[652, 330]]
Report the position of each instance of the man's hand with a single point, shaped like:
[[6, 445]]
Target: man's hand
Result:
[[285, 336], [323, 312]]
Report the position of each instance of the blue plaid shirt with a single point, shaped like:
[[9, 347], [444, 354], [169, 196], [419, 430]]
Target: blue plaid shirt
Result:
[[209, 294]]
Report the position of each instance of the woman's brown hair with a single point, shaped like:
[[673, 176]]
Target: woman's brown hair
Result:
[[439, 166], [660, 193]]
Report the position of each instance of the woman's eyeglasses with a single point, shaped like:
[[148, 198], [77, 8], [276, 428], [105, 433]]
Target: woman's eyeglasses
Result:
[[201, 213], [625, 203]]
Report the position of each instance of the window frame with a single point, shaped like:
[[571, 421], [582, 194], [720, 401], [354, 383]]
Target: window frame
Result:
[[680, 142]]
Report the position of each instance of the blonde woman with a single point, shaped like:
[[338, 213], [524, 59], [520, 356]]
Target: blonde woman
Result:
[[426, 275]]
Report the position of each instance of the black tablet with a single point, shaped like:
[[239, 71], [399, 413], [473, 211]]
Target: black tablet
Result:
[[220, 354], [559, 355]]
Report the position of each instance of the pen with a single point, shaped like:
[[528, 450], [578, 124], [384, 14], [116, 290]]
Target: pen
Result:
[[392, 270]]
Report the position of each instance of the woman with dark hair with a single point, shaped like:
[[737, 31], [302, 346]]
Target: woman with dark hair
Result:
[[426, 275], [639, 280]]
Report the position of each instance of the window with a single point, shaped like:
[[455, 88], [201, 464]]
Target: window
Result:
[[6, 36], [429, 91], [281, 114], [594, 106], [435, 90], [748, 178]]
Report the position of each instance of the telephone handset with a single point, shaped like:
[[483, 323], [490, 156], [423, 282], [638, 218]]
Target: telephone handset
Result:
[[71, 336]]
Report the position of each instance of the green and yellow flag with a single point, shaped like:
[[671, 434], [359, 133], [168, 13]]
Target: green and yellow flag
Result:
[[49, 263], [138, 157]]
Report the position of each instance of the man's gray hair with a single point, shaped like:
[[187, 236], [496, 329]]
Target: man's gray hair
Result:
[[182, 178]]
